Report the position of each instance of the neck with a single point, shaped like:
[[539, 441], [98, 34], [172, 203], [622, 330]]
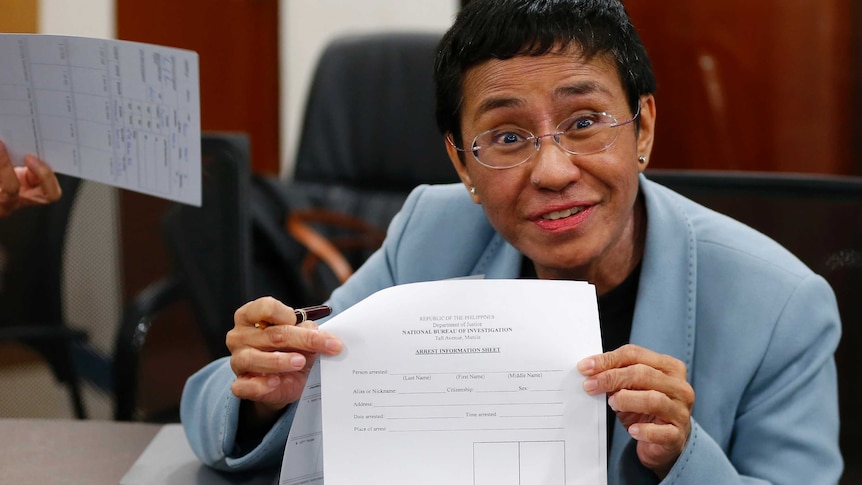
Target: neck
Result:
[[621, 258]]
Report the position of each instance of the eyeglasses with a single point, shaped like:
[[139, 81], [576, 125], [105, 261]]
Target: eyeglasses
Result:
[[584, 133]]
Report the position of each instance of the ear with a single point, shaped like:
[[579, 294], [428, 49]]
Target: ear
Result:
[[460, 166], [646, 132]]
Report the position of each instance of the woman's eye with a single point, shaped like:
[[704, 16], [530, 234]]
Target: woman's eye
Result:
[[507, 138], [582, 123]]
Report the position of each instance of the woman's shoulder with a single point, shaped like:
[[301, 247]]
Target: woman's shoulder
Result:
[[444, 206]]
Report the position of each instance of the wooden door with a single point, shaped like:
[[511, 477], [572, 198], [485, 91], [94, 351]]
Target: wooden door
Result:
[[754, 85], [19, 16], [237, 41]]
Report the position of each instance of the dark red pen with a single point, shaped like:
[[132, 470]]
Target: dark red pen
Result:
[[304, 314], [311, 313]]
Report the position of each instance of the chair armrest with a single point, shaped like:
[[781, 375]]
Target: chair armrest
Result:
[[329, 250], [42, 332], [138, 316]]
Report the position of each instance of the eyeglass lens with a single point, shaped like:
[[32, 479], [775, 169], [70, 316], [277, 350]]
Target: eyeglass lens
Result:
[[582, 134]]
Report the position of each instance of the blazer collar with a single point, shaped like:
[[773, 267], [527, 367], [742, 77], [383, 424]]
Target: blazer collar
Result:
[[665, 309]]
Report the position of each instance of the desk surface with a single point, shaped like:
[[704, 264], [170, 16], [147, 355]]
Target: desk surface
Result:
[[45, 451]]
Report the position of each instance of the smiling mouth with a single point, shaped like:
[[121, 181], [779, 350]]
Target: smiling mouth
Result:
[[553, 216]]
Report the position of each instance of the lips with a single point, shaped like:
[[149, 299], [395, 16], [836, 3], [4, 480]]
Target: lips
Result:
[[563, 220], [561, 214]]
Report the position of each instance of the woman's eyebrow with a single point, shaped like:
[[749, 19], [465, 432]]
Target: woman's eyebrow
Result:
[[562, 92], [580, 89], [491, 104]]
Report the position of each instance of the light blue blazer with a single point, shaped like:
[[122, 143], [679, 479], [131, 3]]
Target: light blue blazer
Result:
[[756, 328]]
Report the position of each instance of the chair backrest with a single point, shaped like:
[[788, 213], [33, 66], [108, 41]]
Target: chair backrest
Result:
[[31, 254], [210, 245], [819, 219], [369, 136], [32, 243], [369, 119], [232, 249]]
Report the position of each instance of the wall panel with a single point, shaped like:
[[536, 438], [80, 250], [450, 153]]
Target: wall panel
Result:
[[763, 85]]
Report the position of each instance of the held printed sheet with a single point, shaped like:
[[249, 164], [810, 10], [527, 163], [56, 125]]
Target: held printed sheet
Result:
[[126, 114], [461, 381]]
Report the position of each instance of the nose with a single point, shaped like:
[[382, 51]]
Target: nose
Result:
[[553, 168]]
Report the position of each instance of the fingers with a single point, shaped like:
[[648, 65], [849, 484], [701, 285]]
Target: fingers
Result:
[[272, 362], [266, 309], [635, 368], [640, 377], [281, 333], [275, 390], [39, 184], [306, 339], [254, 387], [9, 184], [651, 403], [33, 184], [251, 360], [651, 397], [628, 355]]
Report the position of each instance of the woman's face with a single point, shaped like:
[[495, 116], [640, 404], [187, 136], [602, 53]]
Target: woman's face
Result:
[[574, 216]]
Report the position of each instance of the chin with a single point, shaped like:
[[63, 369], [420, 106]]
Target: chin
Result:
[[562, 268]]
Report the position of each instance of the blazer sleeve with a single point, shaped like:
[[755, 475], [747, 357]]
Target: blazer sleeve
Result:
[[786, 428], [210, 412]]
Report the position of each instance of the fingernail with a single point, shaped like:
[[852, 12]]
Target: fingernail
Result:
[[612, 403], [634, 431], [586, 365], [273, 381], [591, 384], [332, 346], [297, 361]]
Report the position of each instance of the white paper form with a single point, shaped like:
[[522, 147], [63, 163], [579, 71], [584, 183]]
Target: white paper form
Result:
[[464, 382], [302, 463], [122, 113]]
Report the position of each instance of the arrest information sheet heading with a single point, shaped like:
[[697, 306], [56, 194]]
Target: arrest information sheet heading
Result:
[[463, 382]]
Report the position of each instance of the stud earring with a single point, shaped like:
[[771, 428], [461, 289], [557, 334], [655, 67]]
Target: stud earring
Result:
[[642, 159], [472, 190], [535, 182]]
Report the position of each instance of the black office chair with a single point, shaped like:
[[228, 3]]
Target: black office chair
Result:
[[369, 136], [32, 243], [224, 254], [818, 218]]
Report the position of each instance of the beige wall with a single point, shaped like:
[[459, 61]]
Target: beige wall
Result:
[[87, 18], [19, 16]]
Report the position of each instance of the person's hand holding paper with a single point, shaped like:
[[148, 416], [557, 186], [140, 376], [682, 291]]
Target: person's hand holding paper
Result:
[[651, 397], [33, 184], [272, 363]]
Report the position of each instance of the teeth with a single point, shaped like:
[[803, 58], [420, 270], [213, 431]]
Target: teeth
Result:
[[553, 216]]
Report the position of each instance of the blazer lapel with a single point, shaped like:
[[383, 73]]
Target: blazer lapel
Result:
[[664, 318]]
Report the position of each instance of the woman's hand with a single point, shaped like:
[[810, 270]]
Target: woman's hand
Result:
[[651, 397], [272, 363], [33, 184]]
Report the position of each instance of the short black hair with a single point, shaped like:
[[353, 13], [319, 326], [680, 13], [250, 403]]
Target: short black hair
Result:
[[503, 29]]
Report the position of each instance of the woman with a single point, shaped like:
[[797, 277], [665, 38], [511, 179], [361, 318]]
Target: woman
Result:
[[548, 113]]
